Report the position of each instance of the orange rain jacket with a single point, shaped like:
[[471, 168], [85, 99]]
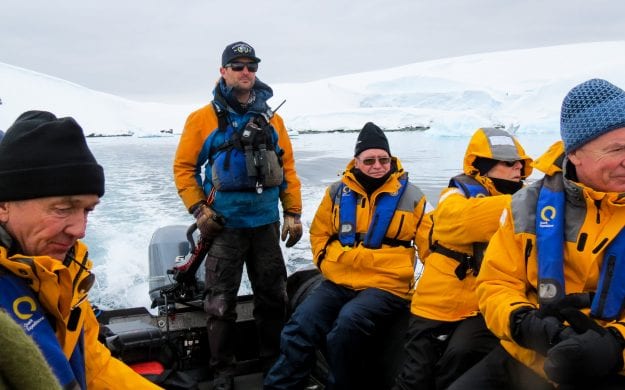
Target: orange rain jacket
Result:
[[187, 163], [508, 279], [459, 222], [389, 268], [52, 283]]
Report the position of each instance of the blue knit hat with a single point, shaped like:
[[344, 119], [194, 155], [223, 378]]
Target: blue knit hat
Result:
[[589, 110]]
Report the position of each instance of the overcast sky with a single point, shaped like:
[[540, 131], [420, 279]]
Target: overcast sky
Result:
[[170, 51]]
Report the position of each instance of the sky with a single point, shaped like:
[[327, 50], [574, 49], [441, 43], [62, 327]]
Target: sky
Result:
[[170, 51]]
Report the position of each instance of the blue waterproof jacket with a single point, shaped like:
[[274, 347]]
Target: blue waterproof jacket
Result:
[[199, 144]]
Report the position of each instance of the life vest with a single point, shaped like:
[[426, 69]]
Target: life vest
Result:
[[248, 158], [608, 300], [20, 302], [385, 206], [471, 188]]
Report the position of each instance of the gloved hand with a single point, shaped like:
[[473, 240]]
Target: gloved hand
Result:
[[293, 228], [532, 331], [208, 221], [585, 356]]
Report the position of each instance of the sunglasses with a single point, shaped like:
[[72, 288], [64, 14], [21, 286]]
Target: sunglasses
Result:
[[371, 160], [238, 66], [510, 163]]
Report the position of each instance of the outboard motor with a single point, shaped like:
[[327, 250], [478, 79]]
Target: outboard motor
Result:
[[169, 245]]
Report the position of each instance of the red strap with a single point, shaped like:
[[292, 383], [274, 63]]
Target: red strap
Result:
[[148, 368], [211, 196]]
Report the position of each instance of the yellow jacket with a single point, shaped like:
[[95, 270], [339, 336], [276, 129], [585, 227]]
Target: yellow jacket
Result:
[[459, 222], [389, 268], [508, 278], [57, 292]]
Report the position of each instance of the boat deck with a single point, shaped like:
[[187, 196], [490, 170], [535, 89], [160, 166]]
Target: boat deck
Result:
[[177, 338], [242, 382]]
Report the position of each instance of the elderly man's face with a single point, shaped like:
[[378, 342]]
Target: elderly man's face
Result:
[[600, 164], [47, 226], [373, 162]]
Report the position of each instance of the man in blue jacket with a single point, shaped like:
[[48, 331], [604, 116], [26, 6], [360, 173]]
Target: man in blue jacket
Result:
[[233, 166]]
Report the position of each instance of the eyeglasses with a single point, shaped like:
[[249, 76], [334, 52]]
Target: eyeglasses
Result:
[[238, 66], [371, 160], [510, 163]]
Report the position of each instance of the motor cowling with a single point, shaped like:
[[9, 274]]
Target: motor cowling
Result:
[[167, 245]]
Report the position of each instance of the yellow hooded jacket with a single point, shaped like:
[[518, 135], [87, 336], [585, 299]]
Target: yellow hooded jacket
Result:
[[55, 286], [389, 268], [509, 274], [459, 221]]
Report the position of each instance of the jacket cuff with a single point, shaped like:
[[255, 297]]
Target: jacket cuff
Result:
[[516, 317], [196, 206]]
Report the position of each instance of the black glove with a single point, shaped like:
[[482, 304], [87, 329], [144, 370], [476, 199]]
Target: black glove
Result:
[[532, 331], [208, 221], [585, 356]]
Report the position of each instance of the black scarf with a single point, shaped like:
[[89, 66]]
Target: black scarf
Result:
[[370, 184], [506, 186]]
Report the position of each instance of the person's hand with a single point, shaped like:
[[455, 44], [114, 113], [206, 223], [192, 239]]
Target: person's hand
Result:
[[585, 356], [209, 223], [532, 331], [292, 228]]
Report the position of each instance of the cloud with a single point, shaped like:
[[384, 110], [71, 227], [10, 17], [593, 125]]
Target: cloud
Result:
[[169, 51]]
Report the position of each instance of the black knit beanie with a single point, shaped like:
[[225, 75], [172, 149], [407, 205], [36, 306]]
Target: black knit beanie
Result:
[[43, 156], [371, 137]]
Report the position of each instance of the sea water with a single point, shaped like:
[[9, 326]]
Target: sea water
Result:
[[141, 196]]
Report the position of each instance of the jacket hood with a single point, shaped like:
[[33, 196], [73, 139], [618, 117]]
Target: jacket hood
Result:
[[224, 97], [495, 144], [551, 161]]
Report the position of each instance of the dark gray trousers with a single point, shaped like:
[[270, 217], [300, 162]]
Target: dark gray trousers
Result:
[[438, 352], [259, 249]]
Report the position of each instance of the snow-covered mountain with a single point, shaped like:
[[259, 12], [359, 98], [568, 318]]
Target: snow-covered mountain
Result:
[[96, 112], [520, 88]]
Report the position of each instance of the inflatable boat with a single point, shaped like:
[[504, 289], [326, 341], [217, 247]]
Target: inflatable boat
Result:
[[168, 344]]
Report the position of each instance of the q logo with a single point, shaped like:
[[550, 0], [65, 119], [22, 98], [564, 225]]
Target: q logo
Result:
[[547, 214], [21, 301]]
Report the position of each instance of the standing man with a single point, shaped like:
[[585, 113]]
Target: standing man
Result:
[[248, 166], [49, 183], [551, 284]]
